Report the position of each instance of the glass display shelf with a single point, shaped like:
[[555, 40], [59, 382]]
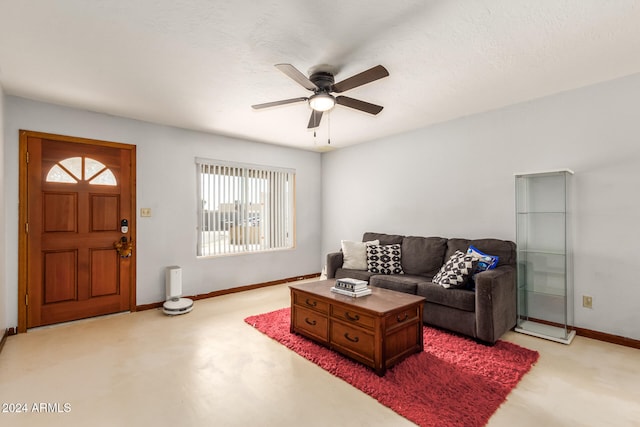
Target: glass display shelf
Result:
[[544, 267], [544, 290], [542, 213], [552, 252]]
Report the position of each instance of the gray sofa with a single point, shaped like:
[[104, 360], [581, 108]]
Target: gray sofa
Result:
[[484, 314]]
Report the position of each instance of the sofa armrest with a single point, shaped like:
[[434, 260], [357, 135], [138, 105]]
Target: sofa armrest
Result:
[[334, 262], [495, 302]]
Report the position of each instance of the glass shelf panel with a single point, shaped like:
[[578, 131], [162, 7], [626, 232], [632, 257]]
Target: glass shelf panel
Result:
[[542, 232], [545, 307], [544, 193], [542, 252], [542, 272]]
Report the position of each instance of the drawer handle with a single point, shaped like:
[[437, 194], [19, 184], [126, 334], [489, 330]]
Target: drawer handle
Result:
[[406, 316], [311, 303], [355, 339], [353, 319], [310, 322]]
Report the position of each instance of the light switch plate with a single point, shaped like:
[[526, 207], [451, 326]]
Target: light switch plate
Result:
[[145, 212]]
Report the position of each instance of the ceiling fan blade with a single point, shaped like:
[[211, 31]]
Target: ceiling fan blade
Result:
[[276, 103], [359, 105], [314, 120], [360, 79], [296, 75]]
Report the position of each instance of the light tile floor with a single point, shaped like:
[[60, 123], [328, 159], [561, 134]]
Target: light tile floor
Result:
[[208, 368]]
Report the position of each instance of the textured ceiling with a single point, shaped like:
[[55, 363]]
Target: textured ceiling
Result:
[[201, 64]]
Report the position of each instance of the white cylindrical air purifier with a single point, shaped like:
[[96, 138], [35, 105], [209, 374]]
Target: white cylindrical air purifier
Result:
[[173, 289]]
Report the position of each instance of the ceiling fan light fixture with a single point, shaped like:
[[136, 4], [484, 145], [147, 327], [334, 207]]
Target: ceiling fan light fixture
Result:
[[322, 102]]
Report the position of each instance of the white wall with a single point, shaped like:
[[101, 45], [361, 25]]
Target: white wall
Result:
[[166, 184], [4, 303], [451, 179], [456, 180]]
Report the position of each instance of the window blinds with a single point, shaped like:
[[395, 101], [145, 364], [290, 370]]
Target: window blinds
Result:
[[244, 208]]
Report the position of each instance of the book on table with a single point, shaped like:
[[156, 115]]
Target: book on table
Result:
[[351, 293], [351, 287], [351, 284]]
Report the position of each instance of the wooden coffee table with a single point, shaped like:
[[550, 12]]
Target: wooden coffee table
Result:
[[378, 330]]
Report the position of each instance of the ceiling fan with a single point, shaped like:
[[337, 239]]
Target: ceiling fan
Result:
[[321, 83]]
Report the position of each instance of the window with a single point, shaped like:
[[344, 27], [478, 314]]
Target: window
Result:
[[75, 169], [244, 208]]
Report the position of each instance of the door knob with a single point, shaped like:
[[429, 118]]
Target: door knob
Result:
[[124, 247]]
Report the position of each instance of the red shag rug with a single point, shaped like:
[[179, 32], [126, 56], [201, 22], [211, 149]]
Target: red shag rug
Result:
[[453, 382]]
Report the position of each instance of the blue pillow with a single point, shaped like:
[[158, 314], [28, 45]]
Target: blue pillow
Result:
[[485, 262]]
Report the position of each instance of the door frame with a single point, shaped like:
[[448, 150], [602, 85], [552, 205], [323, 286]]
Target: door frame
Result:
[[23, 215]]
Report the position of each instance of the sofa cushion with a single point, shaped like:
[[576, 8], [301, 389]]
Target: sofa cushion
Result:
[[355, 254], [450, 318], [423, 255], [454, 245], [385, 239], [504, 249], [384, 259], [401, 283], [456, 271], [461, 299]]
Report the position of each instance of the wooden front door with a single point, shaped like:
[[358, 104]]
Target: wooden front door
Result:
[[78, 194]]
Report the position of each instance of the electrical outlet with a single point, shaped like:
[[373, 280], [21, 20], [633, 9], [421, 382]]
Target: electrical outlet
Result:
[[145, 212], [587, 301]]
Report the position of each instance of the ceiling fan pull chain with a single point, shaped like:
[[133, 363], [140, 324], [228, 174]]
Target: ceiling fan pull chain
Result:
[[329, 129]]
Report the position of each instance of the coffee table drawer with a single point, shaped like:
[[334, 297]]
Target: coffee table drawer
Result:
[[402, 317], [352, 316], [310, 322], [308, 301], [359, 342]]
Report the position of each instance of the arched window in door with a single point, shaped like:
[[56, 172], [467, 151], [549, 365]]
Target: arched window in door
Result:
[[76, 169]]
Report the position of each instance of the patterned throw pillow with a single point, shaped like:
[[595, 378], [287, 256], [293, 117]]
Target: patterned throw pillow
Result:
[[456, 271], [384, 259], [485, 262]]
